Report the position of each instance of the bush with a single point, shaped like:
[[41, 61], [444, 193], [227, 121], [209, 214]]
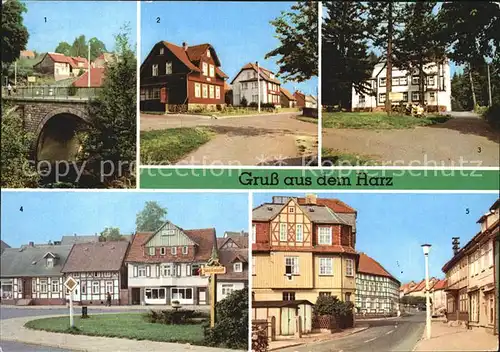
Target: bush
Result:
[[253, 104], [329, 305], [492, 115], [260, 342], [71, 90], [231, 327], [173, 317], [244, 102]]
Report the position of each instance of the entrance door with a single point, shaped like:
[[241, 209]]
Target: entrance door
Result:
[[287, 321], [27, 287], [136, 295], [202, 296]]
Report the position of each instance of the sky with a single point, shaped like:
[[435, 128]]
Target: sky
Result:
[[240, 32], [392, 227], [51, 22], [50, 215]]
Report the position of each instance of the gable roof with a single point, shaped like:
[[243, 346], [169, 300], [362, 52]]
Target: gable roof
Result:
[[368, 265], [227, 258], [239, 238], [96, 78], [100, 256], [440, 285], [3, 246], [265, 74], [287, 93], [67, 240], [29, 261]]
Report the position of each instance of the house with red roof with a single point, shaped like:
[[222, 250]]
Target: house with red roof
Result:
[[377, 291], [164, 266], [246, 86], [181, 78], [61, 66], [287, 98], [97, 75], [233, 254]]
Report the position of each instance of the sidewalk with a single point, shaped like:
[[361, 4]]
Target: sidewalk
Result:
[[446, 338], [103, 307], [14, 330], [285, 342]]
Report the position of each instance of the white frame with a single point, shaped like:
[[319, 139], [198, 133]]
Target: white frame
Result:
[[325, 263], [320, 228]]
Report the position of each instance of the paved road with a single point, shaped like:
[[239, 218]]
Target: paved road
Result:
[[383, 335], [249, 140], [464, 114], [9, 346], [465, 141]]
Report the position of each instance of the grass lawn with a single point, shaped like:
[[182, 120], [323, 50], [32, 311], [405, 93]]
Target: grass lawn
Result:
[[330, 157], [238, 111], [126, 325], [308, 119], [162, 147], [377, 120]]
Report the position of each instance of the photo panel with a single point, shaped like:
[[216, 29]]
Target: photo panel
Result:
[[238, 88], [69, 88]]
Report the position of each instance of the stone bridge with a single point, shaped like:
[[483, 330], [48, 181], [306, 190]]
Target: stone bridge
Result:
[[53, 121]]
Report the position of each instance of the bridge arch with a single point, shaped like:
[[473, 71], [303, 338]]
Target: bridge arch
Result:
[[55, 134]]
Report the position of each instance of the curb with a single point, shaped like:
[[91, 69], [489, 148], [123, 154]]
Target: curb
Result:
[[288, 346]]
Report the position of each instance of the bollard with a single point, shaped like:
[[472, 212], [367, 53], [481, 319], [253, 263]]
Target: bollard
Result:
[[84, 313]]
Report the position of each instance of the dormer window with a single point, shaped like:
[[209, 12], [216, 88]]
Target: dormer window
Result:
[[173, 250], [162, 50], [271, 75], [205, 69], [168, 68], [50, 262], [208, 53], [185, 250], [162, 251], [238, 267], [155, 70], [212, 71]]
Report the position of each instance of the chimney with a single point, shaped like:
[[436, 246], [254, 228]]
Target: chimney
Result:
[[31, 244], [456, 244], [311, 199], [184, 46]]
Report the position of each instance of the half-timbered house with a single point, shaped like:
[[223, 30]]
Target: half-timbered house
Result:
[[233, 254], [164, 266], [179, 78], [99, 269], [33, 274]]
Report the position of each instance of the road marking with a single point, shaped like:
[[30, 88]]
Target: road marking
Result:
[[370, 340], [389, 332]]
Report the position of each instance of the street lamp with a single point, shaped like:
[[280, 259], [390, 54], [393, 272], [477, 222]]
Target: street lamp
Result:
[[426, 248]]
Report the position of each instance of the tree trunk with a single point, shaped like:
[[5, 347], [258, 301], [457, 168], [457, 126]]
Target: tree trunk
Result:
[[388, 79], [472, 87], [422, 82]]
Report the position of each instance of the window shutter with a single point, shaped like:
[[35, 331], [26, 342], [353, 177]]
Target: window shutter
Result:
[[157, 270], [135, 270], [148, 270], [188, 270]]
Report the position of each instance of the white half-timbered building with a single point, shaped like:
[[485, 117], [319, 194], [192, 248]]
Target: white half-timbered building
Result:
[[164, 266], [99, 269], [32, 274]]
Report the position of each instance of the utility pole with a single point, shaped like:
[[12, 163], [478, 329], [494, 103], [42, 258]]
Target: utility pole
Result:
[[88, 75], [258, 86], [489, 85], [15, 75], [388, 79]]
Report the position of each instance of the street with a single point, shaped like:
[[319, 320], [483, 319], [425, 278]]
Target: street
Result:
[[399, 334]]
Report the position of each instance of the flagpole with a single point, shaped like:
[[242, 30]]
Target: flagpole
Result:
[[258, 86], [88, 64]]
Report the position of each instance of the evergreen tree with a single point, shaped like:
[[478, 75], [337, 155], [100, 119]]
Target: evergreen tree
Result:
[[14, 33], [79, 47], [151, 217], [346, 61], [385, 22], [109, 146], [297, 30]]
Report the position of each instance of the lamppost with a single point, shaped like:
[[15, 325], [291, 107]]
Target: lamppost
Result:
[[426, 248]]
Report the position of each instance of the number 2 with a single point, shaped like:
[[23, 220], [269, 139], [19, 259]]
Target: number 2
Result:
[[157, 19]]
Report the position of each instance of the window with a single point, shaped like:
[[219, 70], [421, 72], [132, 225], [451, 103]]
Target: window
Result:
[[282, 232], [255, 85], [212, 71], [155, 70], [405, 96], [227, 289], [173, 250], [195, 270], [162, 251], [348, 297], [432, 96], [155, 293], [217, 92], [381, 97], [197, 90], [299, 236], [182, 293], [382, 82], [95, 287], [255, 98], [55, 286], [151, 250], [269, 86], [325, 294], [415, 80], [292, 265], [83, 287], [288, 296], [325, 266], [362, 99], [431, 80], [208, 53], [212, 94], [142, 271], [43, 286], [238, 267], [109, 286], [254, 233], [50, 262], [143, 94], [403, 81], [244, 86], [168, 68], [415, 96], [162, 50], [185, 250], [349, 267], [166, 270], [205, 91], [325, 235], [205, 69], [156, 93]]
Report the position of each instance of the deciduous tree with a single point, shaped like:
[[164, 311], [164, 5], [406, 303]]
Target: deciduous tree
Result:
[[151, 217], [63, 48], [14, 33], [97, 47], [110, 234], [297, 31]]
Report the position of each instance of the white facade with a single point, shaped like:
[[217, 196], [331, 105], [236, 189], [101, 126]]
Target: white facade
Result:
[[94, 286], [437, 88], [33, 288], [225, 288], [243, 88], [376, 294]]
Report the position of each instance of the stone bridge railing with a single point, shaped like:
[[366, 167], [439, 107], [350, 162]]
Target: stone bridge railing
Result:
[[51, 93]]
